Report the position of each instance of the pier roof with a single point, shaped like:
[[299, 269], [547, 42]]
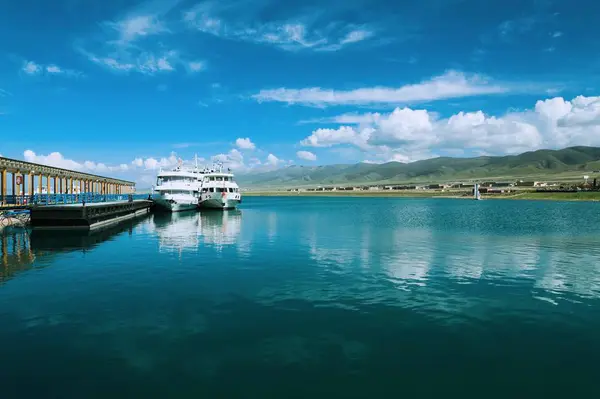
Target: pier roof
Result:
[[14, 165]]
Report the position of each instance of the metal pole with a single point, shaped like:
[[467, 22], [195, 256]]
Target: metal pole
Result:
[[14, 176], [3, 189]]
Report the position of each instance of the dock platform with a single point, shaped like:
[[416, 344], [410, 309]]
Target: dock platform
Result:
[[86, 216]]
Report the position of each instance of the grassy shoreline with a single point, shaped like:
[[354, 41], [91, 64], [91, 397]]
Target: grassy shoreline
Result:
[[548, 196]]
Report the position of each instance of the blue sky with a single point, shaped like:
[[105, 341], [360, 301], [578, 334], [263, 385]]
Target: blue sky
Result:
[[117, 87]]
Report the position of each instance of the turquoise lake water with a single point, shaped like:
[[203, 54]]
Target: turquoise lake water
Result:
[[309, 297]]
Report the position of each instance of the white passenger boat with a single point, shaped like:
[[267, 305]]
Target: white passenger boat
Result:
[[219, 189], [178, 189]]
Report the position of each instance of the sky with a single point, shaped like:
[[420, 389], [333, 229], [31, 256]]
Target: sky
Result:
[[123, 88]]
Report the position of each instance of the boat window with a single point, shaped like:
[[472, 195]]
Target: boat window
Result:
[[212, 189], [205, 190], [176, 179], [212, 178], [219, 178], [230, 189], [176, 192], [226, 178]]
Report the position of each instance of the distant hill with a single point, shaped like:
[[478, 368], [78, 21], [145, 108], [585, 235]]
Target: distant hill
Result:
[[557, 164]]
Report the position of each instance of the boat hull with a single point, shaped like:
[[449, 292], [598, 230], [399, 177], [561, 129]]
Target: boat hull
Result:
[[173, 205], [218, 203]]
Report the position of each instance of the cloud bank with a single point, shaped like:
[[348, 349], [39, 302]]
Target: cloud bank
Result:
[[452, 84], [408, 134]]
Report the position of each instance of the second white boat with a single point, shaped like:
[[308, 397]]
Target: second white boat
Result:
[[219, 189]]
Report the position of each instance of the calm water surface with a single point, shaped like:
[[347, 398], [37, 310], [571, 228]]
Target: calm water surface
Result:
[[309, 297]]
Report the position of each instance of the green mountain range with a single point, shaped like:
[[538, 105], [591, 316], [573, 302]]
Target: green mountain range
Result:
[[561, 165]]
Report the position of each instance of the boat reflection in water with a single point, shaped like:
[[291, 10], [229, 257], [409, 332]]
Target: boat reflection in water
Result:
[[187, 231]]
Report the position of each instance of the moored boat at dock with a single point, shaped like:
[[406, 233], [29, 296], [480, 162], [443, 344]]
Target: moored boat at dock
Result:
[[178, 189], [219, 189]]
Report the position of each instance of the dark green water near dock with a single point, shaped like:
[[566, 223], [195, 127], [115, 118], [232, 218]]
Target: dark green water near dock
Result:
[[309, 297]]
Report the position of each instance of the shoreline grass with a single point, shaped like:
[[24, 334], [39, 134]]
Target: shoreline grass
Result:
[[528, 195]]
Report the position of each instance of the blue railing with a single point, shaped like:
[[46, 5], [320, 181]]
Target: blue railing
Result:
[[60, 199]]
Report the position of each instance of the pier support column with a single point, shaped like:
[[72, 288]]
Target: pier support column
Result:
[[30, 183], [13, 181], [40, 183], [71, 185], [3, 187], [48, 184]]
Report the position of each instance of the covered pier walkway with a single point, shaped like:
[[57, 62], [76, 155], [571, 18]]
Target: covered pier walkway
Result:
[[22, 183]]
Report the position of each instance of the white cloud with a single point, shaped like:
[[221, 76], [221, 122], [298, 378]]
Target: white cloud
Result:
[[131, 45], [354, 36], [245, 144], [288, 36], [557, 34], [31, 68], [306, 155], [163, 64], [233, 159], [53, 69], [452, 84], [273, 160], [58, 160], [143, 170], [155, 164], [403, 125], [141, 164], [53, 159], [407, 134], [146, 63], [134, 27], [333, 137], [512, 28], [196, 66], [297, 33]]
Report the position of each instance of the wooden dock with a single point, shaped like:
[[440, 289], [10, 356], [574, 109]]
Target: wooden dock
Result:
[[86, 216]]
